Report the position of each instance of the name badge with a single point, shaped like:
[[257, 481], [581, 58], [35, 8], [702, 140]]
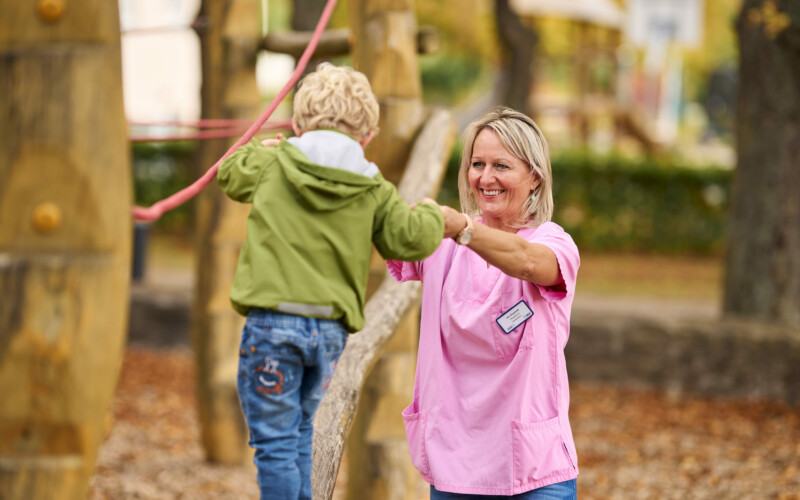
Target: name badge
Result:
[[514, 317]]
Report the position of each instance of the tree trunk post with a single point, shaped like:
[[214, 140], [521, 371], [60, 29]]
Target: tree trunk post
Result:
[[385, 50], [65, 241], [229, 91], [762, 279], [520, 43]]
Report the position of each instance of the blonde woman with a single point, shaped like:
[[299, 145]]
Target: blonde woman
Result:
[[489, 416]]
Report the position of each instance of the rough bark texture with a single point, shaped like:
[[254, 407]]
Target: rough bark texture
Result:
[[520, 44], [229, 91], [385, 310], [763, 261], [65, 236], [385, 50]]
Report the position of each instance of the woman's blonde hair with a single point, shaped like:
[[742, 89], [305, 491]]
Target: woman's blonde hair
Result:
[[336, 97], [523, 139]]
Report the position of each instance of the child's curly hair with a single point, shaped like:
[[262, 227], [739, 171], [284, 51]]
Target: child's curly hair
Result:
[[336, 97]]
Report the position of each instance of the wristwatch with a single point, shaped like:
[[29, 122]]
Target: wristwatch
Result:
[[465, 235]]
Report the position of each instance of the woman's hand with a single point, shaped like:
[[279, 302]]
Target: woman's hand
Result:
[[272, 142], [454, 221]]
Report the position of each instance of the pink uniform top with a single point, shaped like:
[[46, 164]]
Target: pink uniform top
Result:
[[489, 414]]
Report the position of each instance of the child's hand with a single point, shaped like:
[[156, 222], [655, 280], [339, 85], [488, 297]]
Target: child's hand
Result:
[[454, 221], [272, 142]]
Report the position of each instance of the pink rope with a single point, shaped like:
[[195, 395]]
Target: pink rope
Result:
[[201, 123], [214, 133], [157, 209]]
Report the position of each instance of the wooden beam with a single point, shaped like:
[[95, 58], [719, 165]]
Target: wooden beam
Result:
[[338, 42], [384, 311]]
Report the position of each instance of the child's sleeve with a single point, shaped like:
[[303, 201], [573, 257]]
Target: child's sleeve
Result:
[[240, 172], [403, 233]]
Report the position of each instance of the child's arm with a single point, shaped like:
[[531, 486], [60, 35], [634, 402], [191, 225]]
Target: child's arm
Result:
[[405, 233], [240, 172]]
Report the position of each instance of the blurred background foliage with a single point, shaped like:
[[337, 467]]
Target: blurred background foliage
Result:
[[161, 169]]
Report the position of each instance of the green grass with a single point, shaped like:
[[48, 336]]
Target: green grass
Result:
[[656, 276]]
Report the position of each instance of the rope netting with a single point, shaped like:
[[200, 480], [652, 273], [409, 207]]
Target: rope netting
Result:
[[159, 208]]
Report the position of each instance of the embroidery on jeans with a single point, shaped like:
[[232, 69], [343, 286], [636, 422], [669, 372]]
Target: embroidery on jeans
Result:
[[328, 377], [268, 386]]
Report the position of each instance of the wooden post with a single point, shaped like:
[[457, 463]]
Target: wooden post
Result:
[[385, 49], [65, 238], [229, 91]]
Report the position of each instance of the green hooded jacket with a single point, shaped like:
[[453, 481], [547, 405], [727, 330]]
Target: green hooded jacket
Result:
[[311, 227]]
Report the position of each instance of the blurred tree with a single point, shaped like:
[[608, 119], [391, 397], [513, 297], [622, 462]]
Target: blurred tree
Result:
[[305, 16], [763, 263], [520, 43]]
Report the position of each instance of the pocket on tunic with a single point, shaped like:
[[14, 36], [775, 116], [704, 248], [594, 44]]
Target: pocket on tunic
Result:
[[508, 344], [539, 451], [415, 423]]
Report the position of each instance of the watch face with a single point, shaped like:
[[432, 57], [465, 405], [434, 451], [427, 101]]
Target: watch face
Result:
[[465, 238]]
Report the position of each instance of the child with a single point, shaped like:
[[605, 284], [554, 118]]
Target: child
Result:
[[318, 206]]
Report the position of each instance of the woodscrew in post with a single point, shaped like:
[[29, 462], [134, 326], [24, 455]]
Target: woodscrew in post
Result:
[[46, 217], [50, 10]]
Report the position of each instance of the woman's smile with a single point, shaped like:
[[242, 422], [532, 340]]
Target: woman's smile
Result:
[[492, 192]]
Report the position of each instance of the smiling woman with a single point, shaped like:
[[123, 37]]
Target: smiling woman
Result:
[[495, 315]]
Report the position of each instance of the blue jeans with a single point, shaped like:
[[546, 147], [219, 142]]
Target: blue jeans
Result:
[[285, 366], [567, 490]]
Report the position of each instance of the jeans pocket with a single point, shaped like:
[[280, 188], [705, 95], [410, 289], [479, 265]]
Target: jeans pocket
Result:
[[539, 451], [415, 433]]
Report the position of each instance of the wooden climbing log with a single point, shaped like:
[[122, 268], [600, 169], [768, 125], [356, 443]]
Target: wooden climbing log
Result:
[[384, 311], [65, 241]]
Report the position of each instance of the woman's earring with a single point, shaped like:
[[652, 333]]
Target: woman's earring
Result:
[[533, 197]]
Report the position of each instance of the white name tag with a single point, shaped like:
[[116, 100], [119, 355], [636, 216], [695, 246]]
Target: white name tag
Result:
[[515, 316]]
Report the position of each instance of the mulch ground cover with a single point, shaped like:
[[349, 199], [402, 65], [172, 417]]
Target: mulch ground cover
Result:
[[632, 443]]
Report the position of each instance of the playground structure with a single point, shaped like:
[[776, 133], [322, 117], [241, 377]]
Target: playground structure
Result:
[[66, 230], [587, 82], [65, 239]]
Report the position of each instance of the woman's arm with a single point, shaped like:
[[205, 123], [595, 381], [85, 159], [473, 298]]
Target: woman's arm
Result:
[[510, 253]]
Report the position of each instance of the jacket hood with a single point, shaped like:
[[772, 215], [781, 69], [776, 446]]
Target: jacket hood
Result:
[[327, 169]]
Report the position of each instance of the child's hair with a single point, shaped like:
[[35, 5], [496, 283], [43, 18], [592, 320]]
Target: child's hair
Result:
[[336, 97]]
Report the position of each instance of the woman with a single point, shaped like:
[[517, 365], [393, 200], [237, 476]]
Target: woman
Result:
[[489, 415]]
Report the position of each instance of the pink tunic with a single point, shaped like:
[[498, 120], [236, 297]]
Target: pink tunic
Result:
[[489, 414]]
